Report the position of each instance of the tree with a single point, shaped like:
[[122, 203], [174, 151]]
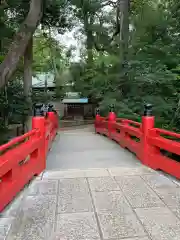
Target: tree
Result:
[[130, 54], [123, 9], [149, 56], [47, 12], [50, 57], [19, 21], [21, 40]]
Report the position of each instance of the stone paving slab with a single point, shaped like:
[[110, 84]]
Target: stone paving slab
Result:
[[43, 187], [73, 186], [12, 209], [160, 223], [69, 203], [138, 193], [171, 197], [137, 204], [99, 172], [103, 184], [111, 200], [58, 174], [35, 219], [74, 196], [136, 238], [5, 225], [159, 181], [128, 171], [77, 226], [116, 225]]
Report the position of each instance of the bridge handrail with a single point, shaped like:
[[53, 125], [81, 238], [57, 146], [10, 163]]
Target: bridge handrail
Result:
[[132, 131], [16, 140], [146, 141], [14, 156], [159, 131], [124, 120], [24, 157]]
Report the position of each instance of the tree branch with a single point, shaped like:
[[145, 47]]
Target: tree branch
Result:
[[20, 42], [117, 29]]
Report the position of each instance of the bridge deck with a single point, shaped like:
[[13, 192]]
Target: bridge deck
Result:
[[102, 193], [82, 149]]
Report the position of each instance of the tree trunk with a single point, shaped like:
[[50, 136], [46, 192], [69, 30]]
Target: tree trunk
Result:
[[21, 40], [89, 45], [89, 34], [28, 58], [124, 6], [88, 20]]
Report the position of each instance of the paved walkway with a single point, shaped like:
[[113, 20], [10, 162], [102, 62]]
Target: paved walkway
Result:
[[122, 201], [83, 149]]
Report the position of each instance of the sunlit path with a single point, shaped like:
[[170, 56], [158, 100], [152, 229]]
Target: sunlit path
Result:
[[82, 148]]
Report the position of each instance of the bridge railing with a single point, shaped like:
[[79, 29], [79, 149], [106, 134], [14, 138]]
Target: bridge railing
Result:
[[25, 157], [147, 142]]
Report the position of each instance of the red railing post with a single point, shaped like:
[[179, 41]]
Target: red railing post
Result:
[[97, 120], [111, 119], [147, 125], [53, 120], [52, 114], [38, 122]]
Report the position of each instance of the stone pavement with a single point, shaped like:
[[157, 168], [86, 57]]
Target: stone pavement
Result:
[[120, 202], [82, 149], [100, 204]]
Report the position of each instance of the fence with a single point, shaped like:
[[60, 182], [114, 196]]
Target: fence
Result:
[[25, 157], [152, 146]]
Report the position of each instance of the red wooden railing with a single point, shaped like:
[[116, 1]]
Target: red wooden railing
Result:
[[25, 157], [143, 139]]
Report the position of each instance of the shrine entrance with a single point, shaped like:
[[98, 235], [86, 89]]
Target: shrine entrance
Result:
[[75, 110]]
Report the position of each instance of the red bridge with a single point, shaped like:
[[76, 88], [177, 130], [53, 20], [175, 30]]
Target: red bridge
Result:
[[143, 139], [85, 186]]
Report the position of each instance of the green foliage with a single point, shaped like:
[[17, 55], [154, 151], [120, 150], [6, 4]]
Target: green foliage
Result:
[[50, 57], [57, 15], [152, 72], [14, 108], [13, 105]]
